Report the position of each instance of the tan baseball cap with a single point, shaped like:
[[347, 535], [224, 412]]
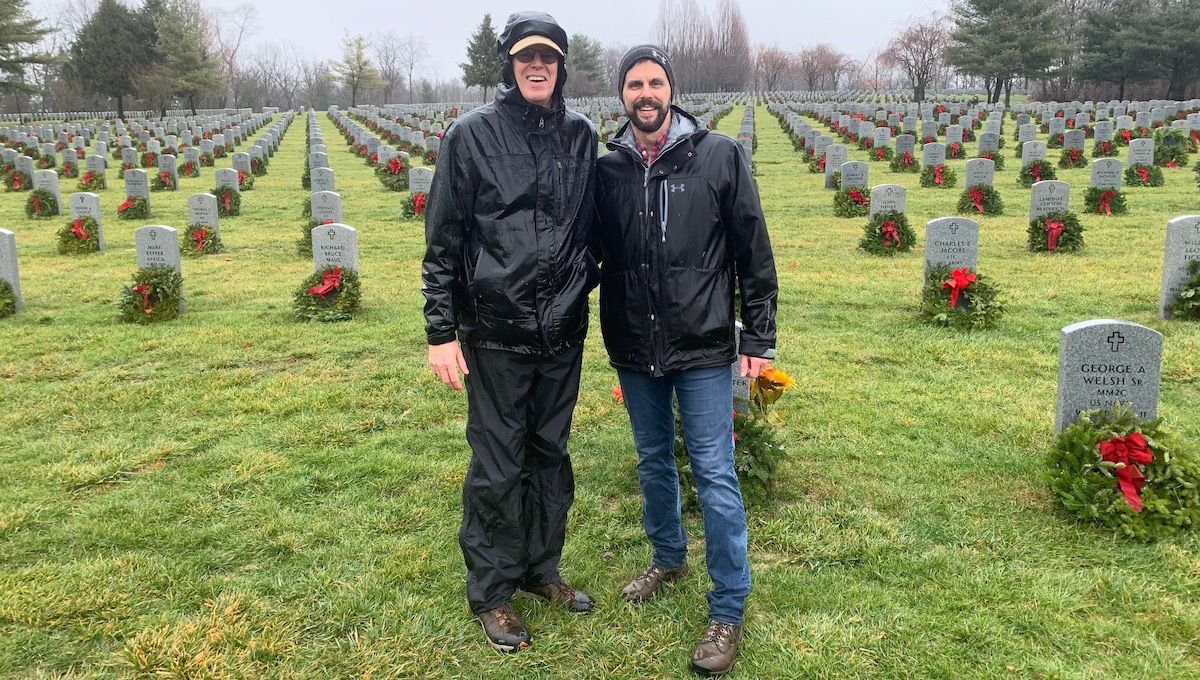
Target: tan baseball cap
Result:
[[531, 40]]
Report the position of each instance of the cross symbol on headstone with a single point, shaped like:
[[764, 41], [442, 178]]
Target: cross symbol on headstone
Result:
[[1197, 227], [1116, 340], [953, 227], [333, 235], [153, 234]]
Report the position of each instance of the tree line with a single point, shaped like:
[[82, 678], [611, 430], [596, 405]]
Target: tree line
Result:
[[102, 55]]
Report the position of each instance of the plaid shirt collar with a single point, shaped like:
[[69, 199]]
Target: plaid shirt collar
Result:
[[650, 153]]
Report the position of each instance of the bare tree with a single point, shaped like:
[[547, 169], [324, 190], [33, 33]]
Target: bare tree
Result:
[[612, 63], [682, 30], [232, 32], [729, 54], [410, 52], [387, 57], [917, 52], [771, 65]]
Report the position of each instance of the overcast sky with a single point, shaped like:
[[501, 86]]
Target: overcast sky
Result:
[[856, 28]]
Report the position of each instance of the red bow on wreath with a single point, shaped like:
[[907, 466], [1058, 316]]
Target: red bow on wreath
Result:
[[332, 279], [227, 198], [165, 177], [1126, 135], [959, 280], [879, 153], [976, 195], [907, 158], [889, 233], [126, 205], [198, 237], [1126, 452], [16, 184], [241, 177], [937, 174], [1075, 154], [954, 148], [856, 196], [1104, 199], [1053, 231], [395, 165], [418, 204], [1036, 171], [1143, 174], [78, 230], [144, 290], [1172, 164], [37, 205], [821, 164], [1105, 147]]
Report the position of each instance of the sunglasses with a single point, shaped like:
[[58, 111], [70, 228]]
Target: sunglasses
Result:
[[525, 56]]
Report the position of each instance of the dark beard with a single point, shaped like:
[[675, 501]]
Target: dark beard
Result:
[[654, 123]]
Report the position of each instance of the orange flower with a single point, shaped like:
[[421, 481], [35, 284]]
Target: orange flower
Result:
[[618, 395], [783, 380]]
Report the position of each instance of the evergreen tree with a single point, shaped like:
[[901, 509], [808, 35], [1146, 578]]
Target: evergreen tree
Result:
[[482, 67], [355, 69], [1113, 51], [193, 69], [1003, 40], [108, 53], [585, 67], [19, 31]]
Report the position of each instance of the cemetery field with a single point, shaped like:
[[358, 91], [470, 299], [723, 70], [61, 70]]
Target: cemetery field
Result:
[[234, 494]]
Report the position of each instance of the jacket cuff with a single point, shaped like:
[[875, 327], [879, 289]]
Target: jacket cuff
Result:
[[756, 348], [441, 337]]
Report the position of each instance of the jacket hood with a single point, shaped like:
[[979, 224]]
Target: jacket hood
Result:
[[521, 25]]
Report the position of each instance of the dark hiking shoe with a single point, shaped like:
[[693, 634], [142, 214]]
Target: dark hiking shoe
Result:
[[717, 649], [646, 586], [559, 593], [503, 629]]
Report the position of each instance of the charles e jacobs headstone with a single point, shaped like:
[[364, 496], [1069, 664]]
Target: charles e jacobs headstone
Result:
[[951, 241], [1182, 247], [1103, 362]]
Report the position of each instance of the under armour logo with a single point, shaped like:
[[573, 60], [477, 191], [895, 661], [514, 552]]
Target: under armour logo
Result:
[[681, 188]]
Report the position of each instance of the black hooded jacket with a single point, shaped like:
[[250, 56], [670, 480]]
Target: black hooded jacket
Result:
[[509, 218]]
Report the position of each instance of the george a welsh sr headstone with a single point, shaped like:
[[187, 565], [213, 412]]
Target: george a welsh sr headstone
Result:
[[1103, 362]]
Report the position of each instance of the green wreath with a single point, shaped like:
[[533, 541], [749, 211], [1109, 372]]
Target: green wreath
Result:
[[339, 304], [148, 160], [1036, 171], [996, 158], [1106, 149], [218, 151], [190, 169], [882, 154], [1144, 176], [133, 208], [41, 203], [44, 163], [816, 164], [987, 197], [852, 202], [975, 308], [1198, 175], [163, 181], [306, 211], [413, 206], [245, 181], [956, 151], [8, 299], [1186, 305], [229, 201], [1175, 156], [258, 166], [394, 175], [929, 177], [18, 181], [206, 240], [879, 237], [79, 237], [207, 160], [69, 170], [431, 158], [1071, 158], [1088, 488], [306, 177], [1115, 199], [1069, 240], [154, 296], [904, 162]]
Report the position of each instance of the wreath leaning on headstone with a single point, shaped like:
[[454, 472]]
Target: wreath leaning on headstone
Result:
[[245, 181], [1056, 233], [1121, 472], [904, 162], [980, 200], [887, 233], [1105, 202], [8, 299], [959, 298], [330, 294], [92, 181], [79, 236], [207, 241], [882, 154], [1139, 175], [851, 202], [996, 159], [41, 203], [1105, 149], [69, 169], [816, 164], [394, 175], [1187, 304], [938, 176], [163, 181], [1035, 172], [19, 180], [133, 208], [413, 206], [1071, 158], [154, 295], [229, 201]]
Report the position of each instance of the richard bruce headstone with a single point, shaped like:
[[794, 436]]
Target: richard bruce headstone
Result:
[[335, 244], [8, 264], [1103, 362], [1183, 246]]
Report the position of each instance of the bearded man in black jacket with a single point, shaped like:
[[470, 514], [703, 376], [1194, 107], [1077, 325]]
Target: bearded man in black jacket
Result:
[[506, 277], [680, 224]]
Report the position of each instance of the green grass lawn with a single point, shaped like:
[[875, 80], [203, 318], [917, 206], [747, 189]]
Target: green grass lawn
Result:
[[237, 495]]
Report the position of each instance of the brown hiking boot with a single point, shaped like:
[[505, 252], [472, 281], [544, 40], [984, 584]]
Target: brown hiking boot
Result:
[[559, 593], [503, 629], [646, 586], [717, 649]]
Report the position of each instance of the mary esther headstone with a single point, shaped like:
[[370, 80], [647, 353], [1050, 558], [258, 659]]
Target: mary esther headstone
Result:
[[1103, 362]]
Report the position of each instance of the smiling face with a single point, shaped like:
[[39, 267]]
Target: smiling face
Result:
[[646, 95], [536, 77]]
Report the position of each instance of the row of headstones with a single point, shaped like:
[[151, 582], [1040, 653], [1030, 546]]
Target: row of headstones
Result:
[[423, 136], [745, 134], [318, 158]]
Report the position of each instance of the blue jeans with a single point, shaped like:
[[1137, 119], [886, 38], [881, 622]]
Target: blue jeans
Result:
[[706, 406]]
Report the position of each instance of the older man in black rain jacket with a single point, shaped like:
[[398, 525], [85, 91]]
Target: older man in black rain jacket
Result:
[[506, 278]]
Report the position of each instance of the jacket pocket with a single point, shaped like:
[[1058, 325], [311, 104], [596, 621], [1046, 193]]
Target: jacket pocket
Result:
[[624, 312], [699, 307]]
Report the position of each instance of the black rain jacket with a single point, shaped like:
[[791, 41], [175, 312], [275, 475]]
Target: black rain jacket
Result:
[[674, 237], [510, 216]]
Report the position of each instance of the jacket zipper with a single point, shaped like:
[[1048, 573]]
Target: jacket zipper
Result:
[[649, 256]]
